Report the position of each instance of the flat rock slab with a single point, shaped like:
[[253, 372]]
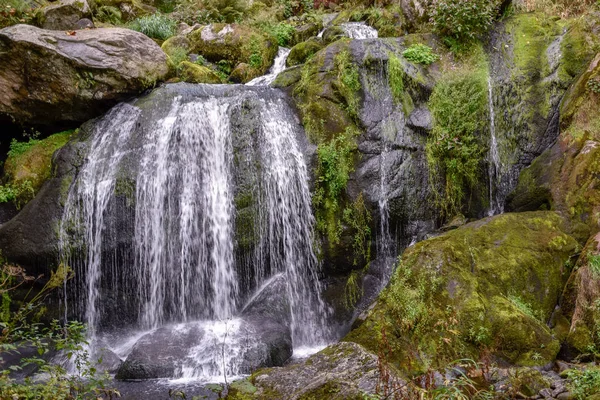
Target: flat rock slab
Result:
[[49, 77]]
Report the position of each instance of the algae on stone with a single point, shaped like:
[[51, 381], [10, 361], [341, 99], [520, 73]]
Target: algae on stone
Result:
[[450, 296]]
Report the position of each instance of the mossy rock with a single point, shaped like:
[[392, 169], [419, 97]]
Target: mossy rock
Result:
[[564, 177], [129, 9], [288, 77], [194, 73], [234, 44], [527, 381], [487, 286], [174, 44], [302, 51], [30, 163], [243, 73], [333, 34]]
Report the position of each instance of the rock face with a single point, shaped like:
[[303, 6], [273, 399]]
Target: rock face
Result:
[[489, 285], [64, 15], [342, 371], [49, 77]]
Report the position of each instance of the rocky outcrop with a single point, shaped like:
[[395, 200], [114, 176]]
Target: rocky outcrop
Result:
[[49, 77], [64, 14], [490, 285], [341, 371]]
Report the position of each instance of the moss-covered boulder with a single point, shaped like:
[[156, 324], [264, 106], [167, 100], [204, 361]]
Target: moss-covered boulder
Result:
[[341, 371], [304, 32], [302, 51], [49, 77], [235, 44], [194, 73], [580, 301], [29, 164], [63, 15], [487, 287]]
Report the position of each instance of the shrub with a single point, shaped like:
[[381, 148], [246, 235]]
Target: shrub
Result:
[[584, 383], [155, 26], [282, 32], [420, 54], [463, 20], [14, 12], [458, 105]]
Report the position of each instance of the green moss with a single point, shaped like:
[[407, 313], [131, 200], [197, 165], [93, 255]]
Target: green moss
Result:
[[29, 164], [450, 297], [396, 82], [302, 52], [194, 73], [126, 187], [579, 46]]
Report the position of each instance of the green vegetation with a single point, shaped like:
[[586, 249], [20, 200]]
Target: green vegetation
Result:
[[454, 149], [109, 15], [336, 162], [358, 218], [348, 77], [420, 54], [584, 382], [22, 326], [14, 12], [206, 12], [594, 264], [255, 50], [463, 20], [156, 26], [28, 166], [282, 31]]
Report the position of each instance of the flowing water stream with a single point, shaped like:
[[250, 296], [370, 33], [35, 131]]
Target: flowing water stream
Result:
[[494, 164], [153, 223]]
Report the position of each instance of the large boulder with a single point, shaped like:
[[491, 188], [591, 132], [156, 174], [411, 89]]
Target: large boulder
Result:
[[489, 286], [64, 14], [49, 77], [261, 337]]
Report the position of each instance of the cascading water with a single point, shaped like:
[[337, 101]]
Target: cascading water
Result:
[[170, 167], [278, 66], [494, 168], [359, 30]]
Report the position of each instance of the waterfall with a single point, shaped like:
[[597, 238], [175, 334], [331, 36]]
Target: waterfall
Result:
[[278, 66], [494, 164], [168, 164], [359, 30]]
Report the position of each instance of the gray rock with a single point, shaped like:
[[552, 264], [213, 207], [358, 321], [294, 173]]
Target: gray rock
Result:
[[84, 23], [64, 14], [341, 371], [420, 120], [49, 77]]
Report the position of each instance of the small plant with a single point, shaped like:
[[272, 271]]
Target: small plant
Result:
[[463, 20], [18, 148], [108, 14], [523, 306], [20, 193], [348, 76], [282, 31], [593, 85], [420, 54], [178, 55], [155, 26], [584, 383], [594, 264]]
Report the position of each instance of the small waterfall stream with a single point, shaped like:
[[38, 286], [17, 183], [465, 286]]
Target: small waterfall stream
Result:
[[277, 67], [359, 30], [177, 261], [495, 165]]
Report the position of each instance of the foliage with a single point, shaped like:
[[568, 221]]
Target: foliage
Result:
[[352, 290], [358, 217], [156, 26], [561, 8], [206, 12], [348, 77], [14, 12], [420, 54], [523, 306], [463, 20], [20, 328], [18, 148], [19, 193], [396, 77], [594, 264], [295, 7], [458, 105], [593, 85], [282, 31], [108, 14], [333, 171], [178, 55], [584, 383], [255, 50]]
